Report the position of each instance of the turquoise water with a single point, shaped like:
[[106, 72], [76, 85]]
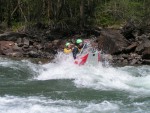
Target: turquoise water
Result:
[[63, 87]]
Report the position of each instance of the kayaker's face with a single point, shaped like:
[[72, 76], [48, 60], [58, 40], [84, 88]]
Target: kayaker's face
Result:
[[69, 46], [81, 44]]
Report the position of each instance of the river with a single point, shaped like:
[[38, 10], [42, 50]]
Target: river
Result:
[[63, 87]]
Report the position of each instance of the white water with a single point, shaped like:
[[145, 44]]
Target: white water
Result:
[[98, 77], [134, 80], [11, 104]]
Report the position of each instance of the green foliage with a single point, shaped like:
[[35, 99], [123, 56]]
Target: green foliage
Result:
[[18, 26], [73, 13]]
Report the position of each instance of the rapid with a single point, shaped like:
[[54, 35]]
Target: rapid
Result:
[[63, 87]]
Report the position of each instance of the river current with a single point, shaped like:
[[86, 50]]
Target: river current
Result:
[[63, 87]]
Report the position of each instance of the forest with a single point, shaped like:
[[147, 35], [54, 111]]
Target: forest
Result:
[[73, 13]]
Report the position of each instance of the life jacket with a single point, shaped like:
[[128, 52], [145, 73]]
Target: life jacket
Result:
[[78, 48], [67, 51]]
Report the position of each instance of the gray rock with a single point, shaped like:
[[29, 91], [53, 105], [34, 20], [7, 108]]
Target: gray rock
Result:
[[25, 41], [142, 46], [33, 54], [16, 54], [134, 61], [125, 56], [16, 48], [125, 61], [132, 47], [111, 42]]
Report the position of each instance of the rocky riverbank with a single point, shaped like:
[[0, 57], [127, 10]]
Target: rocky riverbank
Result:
[[126, 46]]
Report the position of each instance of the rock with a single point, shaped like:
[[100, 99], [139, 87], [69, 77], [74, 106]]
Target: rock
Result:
[[6, 47], [11, 36], [133, 55], [125, 61], [33, 54], [56, 42], [128, 30], [147, 62], [142, 37], [16, 48], [19, 42], [134, 61], [138, 57], [125, 56], [48, 47], [37, 45], [140, 48], [111, 42], [146, 53], [25, 41], [131, 47], [7, 43], [7, 52], [16, 54], [108, 57]]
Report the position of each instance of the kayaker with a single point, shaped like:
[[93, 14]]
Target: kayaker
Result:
[[77, 48], [68, 48]]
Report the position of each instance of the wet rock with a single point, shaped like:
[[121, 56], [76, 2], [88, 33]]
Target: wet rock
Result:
[[112, 42]]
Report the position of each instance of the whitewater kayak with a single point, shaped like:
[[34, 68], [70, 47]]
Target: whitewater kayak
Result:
[[91, 58]]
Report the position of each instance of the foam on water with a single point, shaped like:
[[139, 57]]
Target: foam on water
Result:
[[97, 77], [12, 104], [20, 67], [134, 80]]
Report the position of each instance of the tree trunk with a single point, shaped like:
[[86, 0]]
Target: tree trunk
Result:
[[8, 14], [48, 9], [82, 14]]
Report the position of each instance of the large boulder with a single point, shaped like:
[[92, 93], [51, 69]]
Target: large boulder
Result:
[[111, 41]]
